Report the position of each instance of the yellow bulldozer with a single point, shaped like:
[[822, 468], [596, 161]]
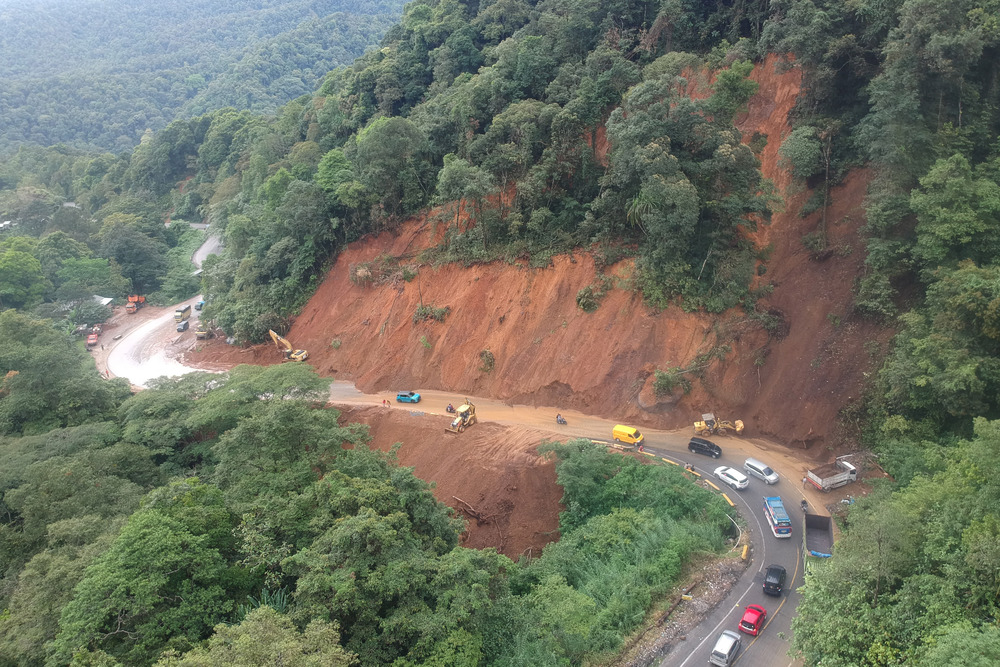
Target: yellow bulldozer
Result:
[[465, 416], [709, 425], [286, 348]]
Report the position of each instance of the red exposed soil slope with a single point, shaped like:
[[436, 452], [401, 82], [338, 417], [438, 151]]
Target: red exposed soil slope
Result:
[[494, 469], [549, 352]]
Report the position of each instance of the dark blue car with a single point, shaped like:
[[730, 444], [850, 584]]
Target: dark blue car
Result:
[[408, 397]]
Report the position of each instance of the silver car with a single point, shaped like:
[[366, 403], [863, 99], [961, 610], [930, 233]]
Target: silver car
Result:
[[727, 646], [761, 471]]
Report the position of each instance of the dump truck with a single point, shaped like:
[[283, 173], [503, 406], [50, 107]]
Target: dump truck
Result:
[[709, 425], [465, 416], [818, 542], [182, 313], [91, 340], [286, 348], [832, 475], [135, 302]]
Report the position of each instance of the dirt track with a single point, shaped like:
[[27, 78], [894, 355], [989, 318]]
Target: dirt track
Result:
[[494, 466]]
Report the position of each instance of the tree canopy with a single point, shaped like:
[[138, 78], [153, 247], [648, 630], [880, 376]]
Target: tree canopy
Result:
[[104, 76]]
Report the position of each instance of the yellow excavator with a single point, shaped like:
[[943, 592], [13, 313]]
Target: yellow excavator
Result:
[[465, 416], [286, 348], [709, 425]]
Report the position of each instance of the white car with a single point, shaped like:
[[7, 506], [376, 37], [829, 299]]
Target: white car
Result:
[[732, 477]]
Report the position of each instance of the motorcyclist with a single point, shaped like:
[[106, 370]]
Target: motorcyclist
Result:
[[450, 408], [559, 419]]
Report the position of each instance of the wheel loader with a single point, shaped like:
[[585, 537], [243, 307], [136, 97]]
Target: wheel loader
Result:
[[709, 425], [282, 344], [465, 416]]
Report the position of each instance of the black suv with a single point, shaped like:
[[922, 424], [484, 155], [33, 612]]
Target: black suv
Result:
[[774, 580], [706, 447]]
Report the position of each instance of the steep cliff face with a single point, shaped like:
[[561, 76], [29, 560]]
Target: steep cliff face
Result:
[[788, 384]]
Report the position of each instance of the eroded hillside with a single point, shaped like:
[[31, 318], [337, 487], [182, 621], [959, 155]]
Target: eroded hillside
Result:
[[788, 382]]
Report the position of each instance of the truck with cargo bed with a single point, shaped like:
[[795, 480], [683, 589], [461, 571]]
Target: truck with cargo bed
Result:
[[832, 475], [135, 302], [818, 542]]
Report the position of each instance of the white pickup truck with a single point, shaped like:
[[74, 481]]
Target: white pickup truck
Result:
[[832, 475]]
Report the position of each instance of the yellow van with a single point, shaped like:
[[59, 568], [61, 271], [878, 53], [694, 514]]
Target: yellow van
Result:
[[626, 434]]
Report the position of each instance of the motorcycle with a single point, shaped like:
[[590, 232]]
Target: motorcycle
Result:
[[450, 408], [560, 420], [805, 506]]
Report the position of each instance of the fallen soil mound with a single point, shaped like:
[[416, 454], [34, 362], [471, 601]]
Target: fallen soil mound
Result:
[[490, 471]]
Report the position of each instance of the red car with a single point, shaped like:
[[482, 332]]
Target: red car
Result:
[[753, 620]]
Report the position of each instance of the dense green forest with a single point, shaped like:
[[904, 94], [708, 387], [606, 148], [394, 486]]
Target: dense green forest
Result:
[[473, 101], [133, 528], [99, 74]]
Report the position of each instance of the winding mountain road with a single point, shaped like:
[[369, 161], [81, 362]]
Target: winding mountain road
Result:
[[148, 346], [149, 350]]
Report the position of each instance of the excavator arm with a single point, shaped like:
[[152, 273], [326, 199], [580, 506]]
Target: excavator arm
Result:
[[279, 341], [282, 344]]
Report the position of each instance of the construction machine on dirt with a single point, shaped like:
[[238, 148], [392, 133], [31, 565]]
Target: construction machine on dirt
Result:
[[465, 416], [135, 302], [709, 425], [286, 348]]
